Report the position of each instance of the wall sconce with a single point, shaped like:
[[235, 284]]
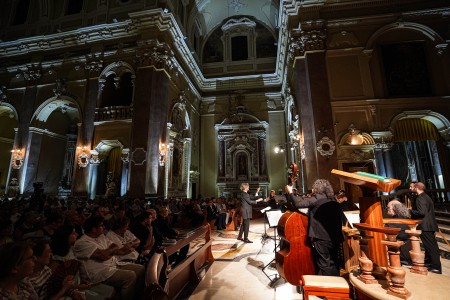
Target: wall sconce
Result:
[[162, 154], [17, 158], [94, 159], [83, 157], [278, 149], [355, 137]]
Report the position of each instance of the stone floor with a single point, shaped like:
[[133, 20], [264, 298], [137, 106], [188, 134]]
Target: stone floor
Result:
[[243, 278]]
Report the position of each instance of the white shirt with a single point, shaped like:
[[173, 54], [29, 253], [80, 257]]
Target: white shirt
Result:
[[95, 270], [120, 241]]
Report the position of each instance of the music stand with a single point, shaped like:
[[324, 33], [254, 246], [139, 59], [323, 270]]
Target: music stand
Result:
[[265, 235], [273, 216]]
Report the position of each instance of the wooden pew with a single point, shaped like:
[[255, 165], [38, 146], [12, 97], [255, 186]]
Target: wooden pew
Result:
[[186, 272]]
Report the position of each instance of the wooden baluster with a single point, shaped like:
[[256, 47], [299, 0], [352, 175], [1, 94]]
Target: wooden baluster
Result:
[[396, 272], [365, 264], [417, 256]]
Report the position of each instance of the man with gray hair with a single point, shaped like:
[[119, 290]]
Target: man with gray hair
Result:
[[324, 225], [397, 210]]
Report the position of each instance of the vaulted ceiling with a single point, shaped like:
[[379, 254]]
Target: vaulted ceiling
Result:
[[211, 13]]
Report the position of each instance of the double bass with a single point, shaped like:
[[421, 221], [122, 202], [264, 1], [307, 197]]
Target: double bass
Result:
[[294, 258]]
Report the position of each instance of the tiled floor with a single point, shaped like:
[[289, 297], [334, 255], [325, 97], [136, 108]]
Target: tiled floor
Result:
[[244, 278]]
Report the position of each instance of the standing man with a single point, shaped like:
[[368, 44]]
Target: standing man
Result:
[[324, 225], [425, 210], [246, 210]]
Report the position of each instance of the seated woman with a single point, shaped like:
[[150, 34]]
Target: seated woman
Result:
[[16, 262], [42, 273], [64, 263]]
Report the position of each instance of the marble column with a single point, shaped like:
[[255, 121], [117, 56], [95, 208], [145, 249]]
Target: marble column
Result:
[[221, 157], [31, 161], [92, 184], [148, 130], [86, 128], [186, 164], [262, 155], [387, 154], [22, 136], [316, 120], [378, 152]]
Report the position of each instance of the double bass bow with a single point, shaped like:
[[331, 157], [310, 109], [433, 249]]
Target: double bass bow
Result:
[[294, 258]]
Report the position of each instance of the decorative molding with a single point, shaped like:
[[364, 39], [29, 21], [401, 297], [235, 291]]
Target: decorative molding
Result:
[[326, 147], [60, 88], [343, 38], [138, 156], [154, 53], [310, 36]]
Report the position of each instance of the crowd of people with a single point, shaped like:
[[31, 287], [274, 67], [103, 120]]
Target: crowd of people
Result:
[[97, 249], [53, 248]]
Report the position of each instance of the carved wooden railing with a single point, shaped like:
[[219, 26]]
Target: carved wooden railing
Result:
[[188, 271], [113, 113]]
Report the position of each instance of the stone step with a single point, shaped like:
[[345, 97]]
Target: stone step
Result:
[[443, 214], [443, 221], [444, 250], [444, 228]]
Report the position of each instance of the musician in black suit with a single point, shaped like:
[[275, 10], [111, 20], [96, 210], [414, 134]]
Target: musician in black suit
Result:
[[424, 209], [324, 225], [246, 210]]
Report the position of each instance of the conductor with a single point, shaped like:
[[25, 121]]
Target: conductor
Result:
[[246, 210]]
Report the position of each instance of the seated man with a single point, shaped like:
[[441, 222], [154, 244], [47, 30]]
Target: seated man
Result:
[[211, 212], [396, 209], [98, 256], [163, 230]]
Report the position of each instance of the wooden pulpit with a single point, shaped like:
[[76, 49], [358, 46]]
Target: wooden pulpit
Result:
[[371, 211]]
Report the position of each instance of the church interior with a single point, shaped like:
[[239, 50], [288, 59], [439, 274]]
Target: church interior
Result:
[[189, 98]]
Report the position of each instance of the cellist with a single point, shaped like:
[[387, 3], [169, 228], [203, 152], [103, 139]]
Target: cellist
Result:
[[324, 225]]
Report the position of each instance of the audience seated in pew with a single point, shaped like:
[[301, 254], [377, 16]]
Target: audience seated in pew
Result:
[[98, 256], [163, 230], [64, 263]]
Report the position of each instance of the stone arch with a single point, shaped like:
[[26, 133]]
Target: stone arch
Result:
[[10, 109], [109, 178], [409, 26], [117, 68], [64, 103], [116, 84], [441, 122], [367, 139]]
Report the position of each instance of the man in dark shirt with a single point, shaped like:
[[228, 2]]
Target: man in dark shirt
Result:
[[163, 230], [324, 225], [424, 209]]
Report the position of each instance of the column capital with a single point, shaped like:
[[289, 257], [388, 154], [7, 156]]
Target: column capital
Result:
[[310, 36]]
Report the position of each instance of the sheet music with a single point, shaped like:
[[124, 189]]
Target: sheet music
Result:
[[266, 209], [303, 210], [352, 217], [273, 216]]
